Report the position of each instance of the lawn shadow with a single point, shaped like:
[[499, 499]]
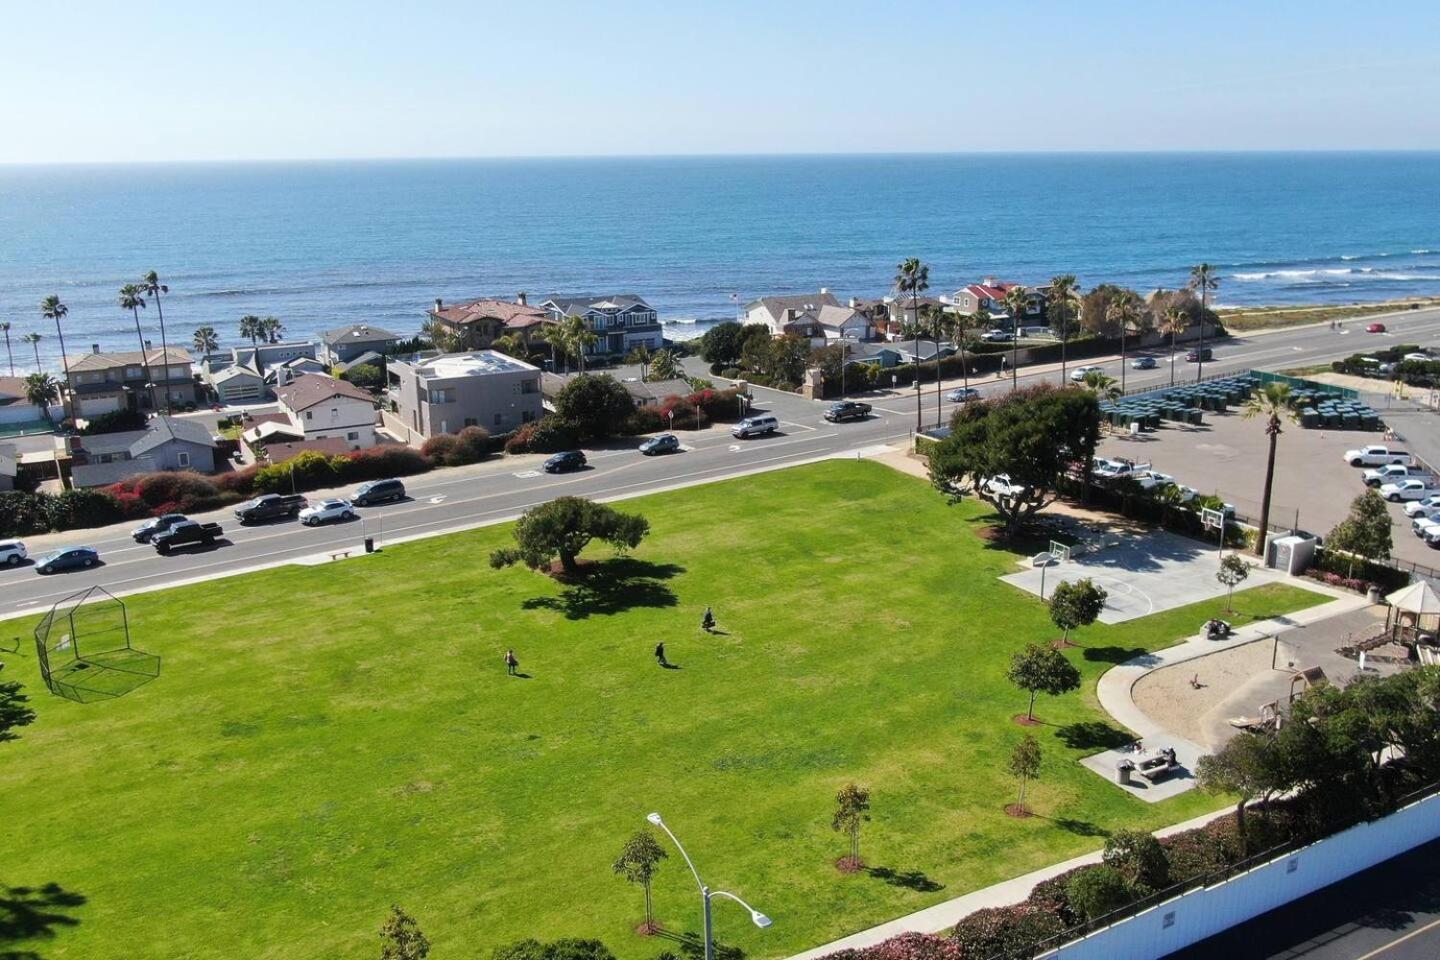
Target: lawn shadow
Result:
[[671, 666], [1116, 654], [692, 946], [610, 587], [910, 879], [1081, 828], [34, 913], [1093, 735]]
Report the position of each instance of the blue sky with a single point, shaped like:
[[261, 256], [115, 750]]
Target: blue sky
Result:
[[200, 80]]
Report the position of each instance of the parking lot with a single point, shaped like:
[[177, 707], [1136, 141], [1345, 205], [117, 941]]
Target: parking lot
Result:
[[1313, 485]]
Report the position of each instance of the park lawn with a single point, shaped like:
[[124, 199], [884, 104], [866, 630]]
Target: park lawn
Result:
[[324, 741]]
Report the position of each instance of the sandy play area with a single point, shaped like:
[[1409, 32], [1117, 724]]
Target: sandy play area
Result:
[[1168, 697]]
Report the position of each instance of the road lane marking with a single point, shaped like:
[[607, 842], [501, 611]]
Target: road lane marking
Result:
[[1395, 943]]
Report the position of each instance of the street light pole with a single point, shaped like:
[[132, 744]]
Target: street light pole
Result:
[[706, 894]]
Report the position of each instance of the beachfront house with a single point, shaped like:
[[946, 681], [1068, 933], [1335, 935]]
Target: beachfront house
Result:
[[16, 409], [106, 382], [343, 345], [989, 295], [621, 321], [817, 317], [323, 407], [448, 393], [247, 374], [477, 324]]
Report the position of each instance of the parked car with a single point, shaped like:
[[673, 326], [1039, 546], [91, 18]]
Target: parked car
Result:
[[271, 506], [996, 336], [564, 462], [963, 395], [1417, 507], [1392, 472], [665, 443], [1152, 479], [67, 558], [847, 410], [147, 530], [12, 553], [1079, 374], [378, 491], [1411, 489], [327, 511], [186, 534], [1375, 455], [765, 423], [1420, 357], [1422, 526], [1432, 536], [1375, 328], [1115, 467], [1195, 356], [1000, 486], [1143, 363]]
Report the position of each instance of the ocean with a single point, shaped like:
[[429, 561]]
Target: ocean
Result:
[[322, 244]]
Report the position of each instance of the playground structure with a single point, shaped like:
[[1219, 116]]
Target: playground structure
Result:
[[84, 650]]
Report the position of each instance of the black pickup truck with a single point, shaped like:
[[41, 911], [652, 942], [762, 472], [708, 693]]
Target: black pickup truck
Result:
[[185, 533], [272, 506]]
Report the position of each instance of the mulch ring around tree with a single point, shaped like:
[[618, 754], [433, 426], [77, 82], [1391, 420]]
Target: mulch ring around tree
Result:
[[1060, 643], [648, 929], [557, 572], [1017, 810], [1025, 721], [988, 533], [849, 865]]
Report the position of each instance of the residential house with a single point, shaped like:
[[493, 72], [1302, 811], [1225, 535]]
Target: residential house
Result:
[[885, 355], [476, 325], [283, 373], [15, 408], [989, 295], [166, 443], [325, 407], [255, 379], [447, 393], [343, 344], [815, 317], [238, 384], [622, 321], [901, 311], [652, 393], [105, 382]]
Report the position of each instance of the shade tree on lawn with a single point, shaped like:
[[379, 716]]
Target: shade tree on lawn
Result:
[[852, 806], [1040, 668], [1365, 532], [638, 862], [1025, 766], [1249, 766], [1076, 604], [563, 527], [1233, 572]]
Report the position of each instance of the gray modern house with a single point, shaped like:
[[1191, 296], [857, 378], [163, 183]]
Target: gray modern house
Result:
[[448, 393], [342, 345], [622, 321], [167, 443]]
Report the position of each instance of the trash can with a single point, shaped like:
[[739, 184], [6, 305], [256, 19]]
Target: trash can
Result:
[[369, 544], [1373, 594], [1124, 771]]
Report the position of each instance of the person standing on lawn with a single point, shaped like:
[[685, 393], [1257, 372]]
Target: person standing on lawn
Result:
[[660, 654], [707, 622], [512, 665]]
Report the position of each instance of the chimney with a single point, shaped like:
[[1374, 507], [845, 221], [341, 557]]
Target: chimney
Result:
[[854, 303], [94, 348], [439, 304], [147, 344], [521, 299], [824, 291]]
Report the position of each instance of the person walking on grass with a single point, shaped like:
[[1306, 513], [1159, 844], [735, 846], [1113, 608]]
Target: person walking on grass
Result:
[[660, 654], [512, 665], [707, 622]]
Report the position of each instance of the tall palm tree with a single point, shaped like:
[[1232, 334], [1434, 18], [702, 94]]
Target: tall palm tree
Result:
[[272, 328], [1273, 402], [132, 299], [1175, 322], [942, 327], [576, 338], [152, 285], [1017, 298], [42, 390], [913, 277], [5, 328], [34, 340], [253, 327], [206, 340], [1102, 384], [1203, 278], [1124, 311], [1063, 297], [641, 355], [512, 345], [960, 325], [52, 309]]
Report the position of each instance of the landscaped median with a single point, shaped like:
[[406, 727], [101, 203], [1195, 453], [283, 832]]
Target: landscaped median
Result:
[[326, 741]]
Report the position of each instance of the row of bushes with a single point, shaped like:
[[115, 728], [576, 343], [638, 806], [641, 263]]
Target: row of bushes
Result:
[[1356, 573], [692, 412]]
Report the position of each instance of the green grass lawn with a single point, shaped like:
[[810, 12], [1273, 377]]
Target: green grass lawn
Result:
[[325, 741]]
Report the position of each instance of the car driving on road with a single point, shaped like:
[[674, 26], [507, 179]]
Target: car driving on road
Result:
[[963, 395], [564, 462], [12, 553], [1143, 363], [67, 558], [1195, 356], [378, 491], [1375, 328], [186, 534], [147, 530], [1080, 373], [665, 443], [271, 506], [847, 410], [327, 511]]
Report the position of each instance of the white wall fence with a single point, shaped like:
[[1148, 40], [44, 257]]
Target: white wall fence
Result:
[[1206, 911]]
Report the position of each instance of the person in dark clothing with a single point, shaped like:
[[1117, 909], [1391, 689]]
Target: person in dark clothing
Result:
[[707, 622], [660, 654], [512, 665]]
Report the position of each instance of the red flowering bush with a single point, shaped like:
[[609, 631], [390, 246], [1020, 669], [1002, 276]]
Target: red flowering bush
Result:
[[907, 946], [1336, 580]]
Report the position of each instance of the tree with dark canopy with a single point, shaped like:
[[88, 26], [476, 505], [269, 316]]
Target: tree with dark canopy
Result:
[[563, 527]]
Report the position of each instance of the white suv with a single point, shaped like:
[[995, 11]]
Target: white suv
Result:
[[12, 552]]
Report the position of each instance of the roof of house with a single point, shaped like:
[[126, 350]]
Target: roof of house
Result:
[[357, 333], [104, 474], [282, 451], [164, 429], [233, 371], [369, 356], [267, 430], [776, 306], [657, 389], [572, 304], [308, 389], [462, 314], [476, 363], [129, 358], [12, 390]]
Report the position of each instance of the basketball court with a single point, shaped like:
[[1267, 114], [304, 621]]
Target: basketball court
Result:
[[1143, 574]]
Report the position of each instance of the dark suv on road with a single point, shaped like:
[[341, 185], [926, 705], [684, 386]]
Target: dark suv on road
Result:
[[1195, 356], [847, 410], [565, 462], [378, 491]]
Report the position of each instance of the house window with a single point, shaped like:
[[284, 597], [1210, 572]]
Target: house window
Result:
[[530, 386], [182, 458], [309, 415], [131, 373], [334, 413], [497, 419], [471, 422], [353, 435]]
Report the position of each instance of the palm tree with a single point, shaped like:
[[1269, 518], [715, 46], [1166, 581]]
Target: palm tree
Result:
[[1062, 297], [253, 327], [1102, 384], [575, 338], [1017, 298], [1203, 278], [272, 328], [42, 390], [942, 326], [205, 339], [152, 285], [1175, 322], [52, 309], [132, 299], [641, 355], [1123, 311], [5, 328], [440, 335], [1272, 401], [512, 345], [960, 325], [34, 340], [913, 277]]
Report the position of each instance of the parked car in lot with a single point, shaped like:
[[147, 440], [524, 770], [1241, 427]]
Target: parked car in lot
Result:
[[1393, 472], [147, 530], [327, 511], [1079, 374], [1422, 526], [1152, 479], [996, 336], [1143, 363], [1417, 507], [1375, 328], [1195, 356], [1409, 489], [185, 534], [1432, 537], [378, 491], [564, 462], [847, 410], [1419, 357], [1375, 455], [67, 558], [1112, 468], [757, 426], [12, 553], [963, 395], [1000, 486], [271, 506], [665, 443]]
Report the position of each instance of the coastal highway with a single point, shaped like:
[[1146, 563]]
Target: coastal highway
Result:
[[499, 489]]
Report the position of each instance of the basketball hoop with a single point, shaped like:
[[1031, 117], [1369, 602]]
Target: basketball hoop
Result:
[[1060, 552], [1212, 519]]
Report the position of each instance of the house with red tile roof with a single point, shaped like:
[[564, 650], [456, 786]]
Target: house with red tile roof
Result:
[[989, 295], [477, 324]]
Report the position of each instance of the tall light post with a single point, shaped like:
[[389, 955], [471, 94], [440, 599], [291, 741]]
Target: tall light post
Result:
[[706, 894]]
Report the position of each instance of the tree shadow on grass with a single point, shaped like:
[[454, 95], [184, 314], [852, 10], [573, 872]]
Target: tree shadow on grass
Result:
[[1113, 654], [910, 879], [691, 946], [34, 913], [610, 587], [1081, 828], [1093, 735]]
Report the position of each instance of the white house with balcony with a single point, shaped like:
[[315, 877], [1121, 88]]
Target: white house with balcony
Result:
[[324, 408]]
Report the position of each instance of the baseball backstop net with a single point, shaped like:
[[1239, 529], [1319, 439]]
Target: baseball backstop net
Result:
[[83, 645]]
